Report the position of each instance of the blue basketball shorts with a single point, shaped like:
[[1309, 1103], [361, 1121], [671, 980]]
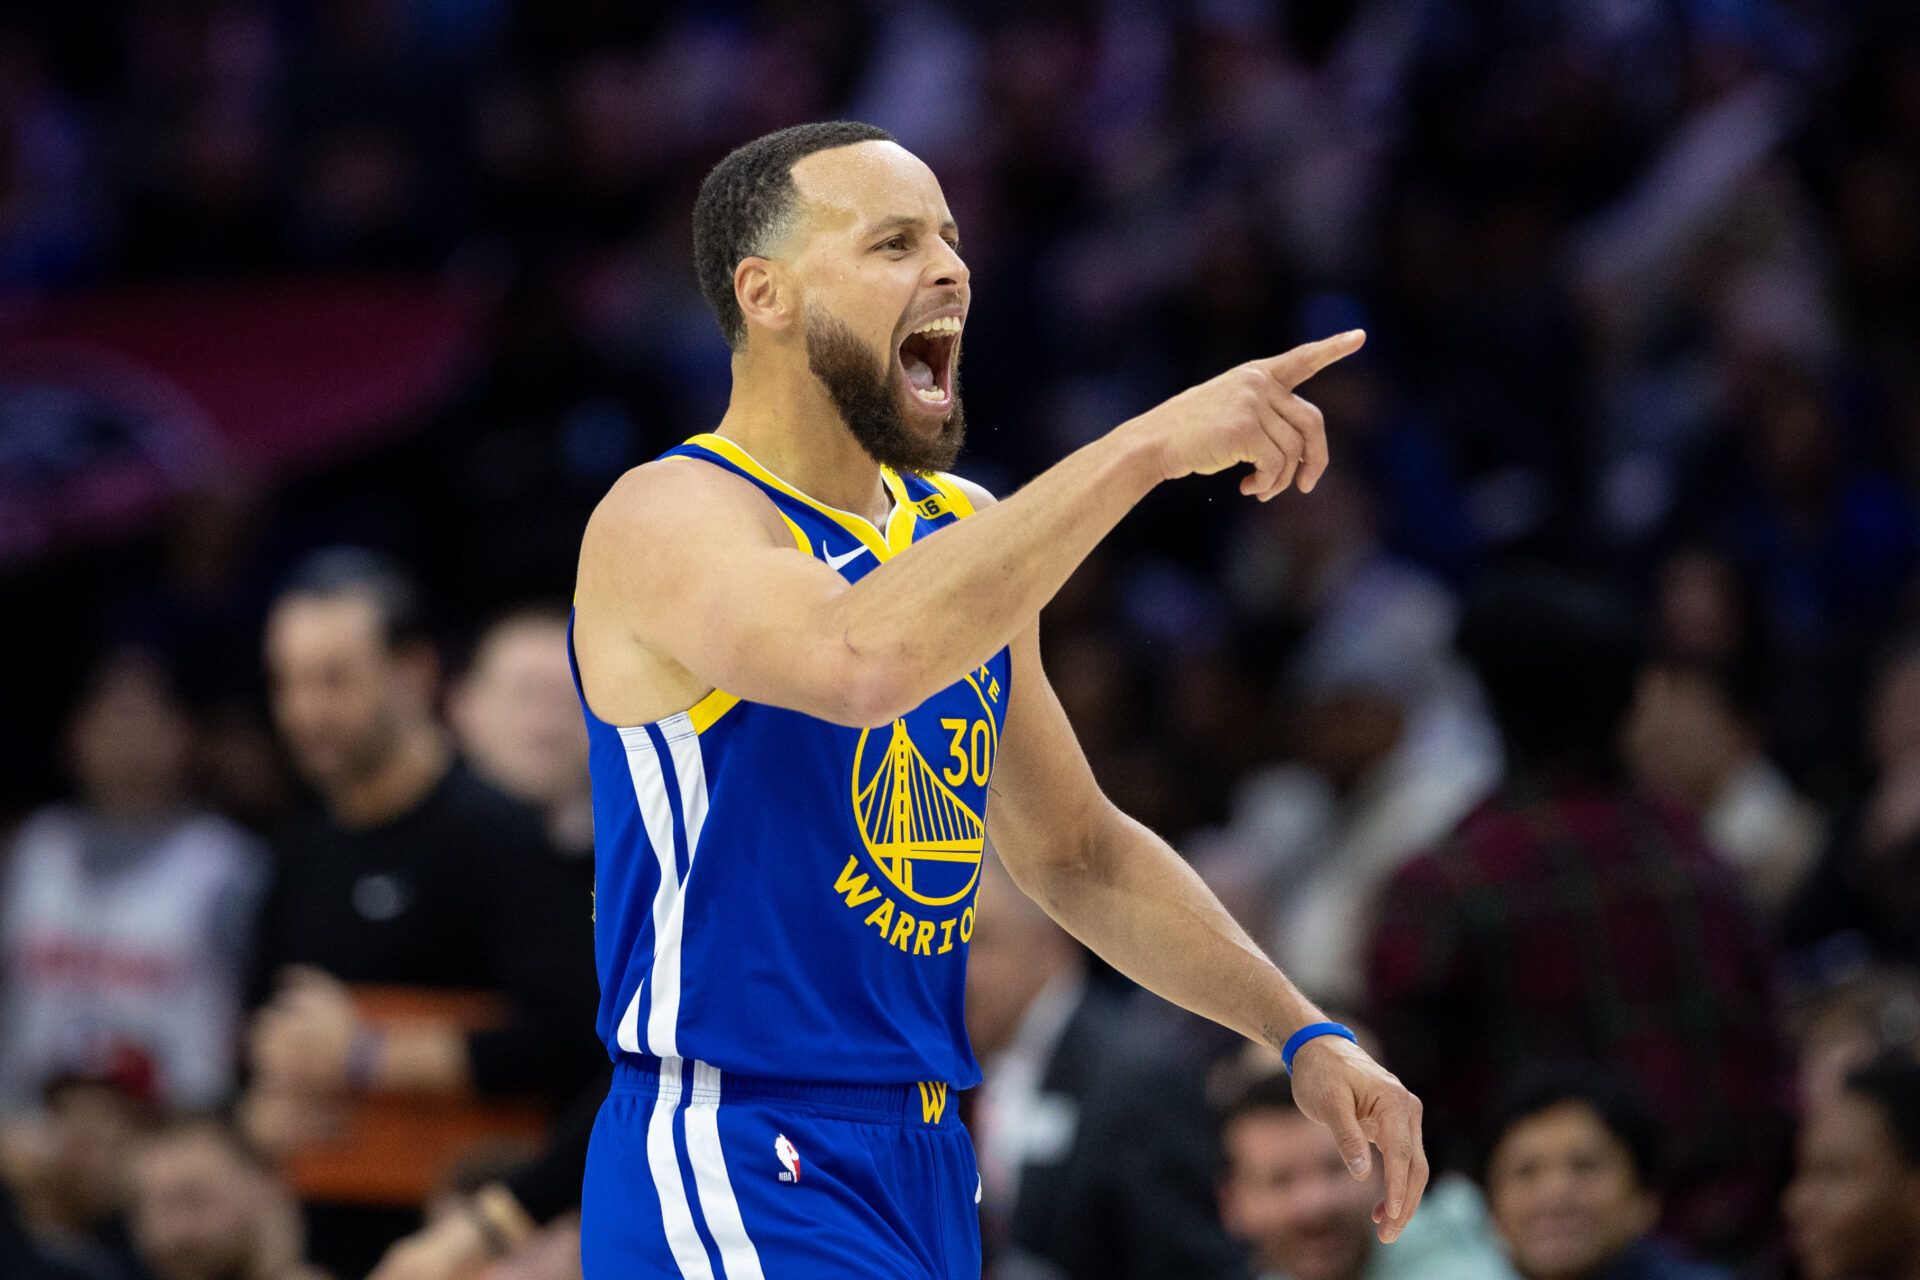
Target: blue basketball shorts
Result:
[[692, 1174]]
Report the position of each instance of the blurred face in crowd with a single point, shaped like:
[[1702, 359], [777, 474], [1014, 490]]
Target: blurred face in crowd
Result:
[[1854, 1206], [129, 743], [343, 698], [1682, 737], [875, 255], [1700, 610], [1016, 950], [77, 1172], [1565, 1194], [1288, 1194], [197, 1207], [517, 714]]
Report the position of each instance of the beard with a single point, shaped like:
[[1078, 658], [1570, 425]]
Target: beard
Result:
[[859, 381]]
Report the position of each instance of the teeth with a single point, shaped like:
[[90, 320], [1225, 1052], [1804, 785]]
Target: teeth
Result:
[[932, 395], [946, 324]]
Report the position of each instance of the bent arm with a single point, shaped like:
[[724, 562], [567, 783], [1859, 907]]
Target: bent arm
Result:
[[700, 568]]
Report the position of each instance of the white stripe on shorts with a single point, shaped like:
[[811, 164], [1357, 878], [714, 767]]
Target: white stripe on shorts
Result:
[[676, 1214], [738, 1258]]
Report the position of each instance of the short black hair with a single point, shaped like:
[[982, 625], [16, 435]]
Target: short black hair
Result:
[[333, 572], [747, 197], [1557, 655], [1892, 1084], [1266, 1091], [1618, 1106]]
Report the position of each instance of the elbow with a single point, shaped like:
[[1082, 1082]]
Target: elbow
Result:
[[871, 693]]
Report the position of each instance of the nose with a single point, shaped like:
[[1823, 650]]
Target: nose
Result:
[[949, 268]]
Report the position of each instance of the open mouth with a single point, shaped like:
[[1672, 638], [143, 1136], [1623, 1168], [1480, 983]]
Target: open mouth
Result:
[[926, 358]]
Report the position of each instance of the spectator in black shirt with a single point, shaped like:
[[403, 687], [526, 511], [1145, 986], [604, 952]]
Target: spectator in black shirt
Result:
[[411, 871]]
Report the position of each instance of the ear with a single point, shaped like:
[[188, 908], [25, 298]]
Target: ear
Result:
[[765, 293]]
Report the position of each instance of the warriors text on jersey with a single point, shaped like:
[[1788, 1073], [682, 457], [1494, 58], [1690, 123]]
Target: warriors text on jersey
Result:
[[781, 896]]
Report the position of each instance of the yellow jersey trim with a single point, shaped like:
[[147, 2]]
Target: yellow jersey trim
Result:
[[956, 496], [799, 536], [899, 533], [705, 712]]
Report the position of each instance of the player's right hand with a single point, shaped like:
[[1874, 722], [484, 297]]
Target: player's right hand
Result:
[[1249, 414]]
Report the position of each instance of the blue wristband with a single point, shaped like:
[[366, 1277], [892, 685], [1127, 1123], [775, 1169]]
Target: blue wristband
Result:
[[1312, 1031]]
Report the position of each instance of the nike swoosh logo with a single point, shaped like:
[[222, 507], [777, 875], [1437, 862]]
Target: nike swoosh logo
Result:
[[834, 562]]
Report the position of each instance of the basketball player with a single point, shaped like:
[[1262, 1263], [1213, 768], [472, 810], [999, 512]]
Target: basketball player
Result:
[[806, 655]]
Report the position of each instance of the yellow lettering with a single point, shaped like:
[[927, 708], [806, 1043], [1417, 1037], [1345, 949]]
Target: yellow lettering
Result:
[[982, 752], [882, 916], [946, 937], [993, 688], [854, 887], [902, 930], [923, 940], [966, 925], [933, 1102]]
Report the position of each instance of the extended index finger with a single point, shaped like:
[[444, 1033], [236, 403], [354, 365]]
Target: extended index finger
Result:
[[1291, 368]]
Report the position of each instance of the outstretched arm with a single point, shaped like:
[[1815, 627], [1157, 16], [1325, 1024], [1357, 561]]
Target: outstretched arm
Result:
[[752, 618], [1135, 902]]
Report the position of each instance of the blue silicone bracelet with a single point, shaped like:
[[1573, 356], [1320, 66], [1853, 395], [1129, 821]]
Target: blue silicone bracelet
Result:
[[1312, 1031]]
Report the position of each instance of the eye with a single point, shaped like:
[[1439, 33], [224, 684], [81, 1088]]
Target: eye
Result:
[[893, 243]]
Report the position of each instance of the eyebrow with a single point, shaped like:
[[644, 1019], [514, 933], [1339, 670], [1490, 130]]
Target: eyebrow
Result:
[[908, 220]]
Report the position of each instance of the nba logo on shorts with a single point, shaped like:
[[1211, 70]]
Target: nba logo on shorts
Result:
[[788, 1157]]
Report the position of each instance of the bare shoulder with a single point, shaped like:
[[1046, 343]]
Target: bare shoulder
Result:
[[671, 500], [977, 494]]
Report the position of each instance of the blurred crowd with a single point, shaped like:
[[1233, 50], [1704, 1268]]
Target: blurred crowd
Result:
[[1566, 739]]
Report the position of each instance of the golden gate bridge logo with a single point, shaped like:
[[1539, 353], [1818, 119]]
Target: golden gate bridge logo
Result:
[[919, 832]]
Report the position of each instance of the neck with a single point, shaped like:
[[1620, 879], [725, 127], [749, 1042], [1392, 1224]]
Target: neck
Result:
[[780, 414], [418, 762]]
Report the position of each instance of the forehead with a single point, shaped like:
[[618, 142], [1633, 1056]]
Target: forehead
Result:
[[1563, 1125], [1274, 1136], [848, 189], [349, 619]]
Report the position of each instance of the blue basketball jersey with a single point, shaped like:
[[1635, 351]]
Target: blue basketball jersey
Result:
[[780, 896]]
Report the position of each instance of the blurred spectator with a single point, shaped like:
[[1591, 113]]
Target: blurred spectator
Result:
[[1694, 737], [518, 720], [412, 871], [1394, 745], [526, 1210], [125, 916], [1568, 917], [465, 1201], [67, 1163], [1843, 1028], [21, 1258], [1854, 1206], [1863, 900], [1287, 1193], [1572, 1177], [1094, 1149], [208, 1206]]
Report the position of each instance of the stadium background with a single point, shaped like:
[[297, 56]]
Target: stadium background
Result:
[[1642, 282]]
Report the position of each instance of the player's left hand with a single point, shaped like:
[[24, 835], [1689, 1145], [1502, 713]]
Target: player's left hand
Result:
[[302, 1040], [1364, 1105]]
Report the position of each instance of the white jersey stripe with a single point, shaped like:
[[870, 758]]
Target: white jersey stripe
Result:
[[676, 1214], [738, 1258], [690, 768], [690, 775], [663, 981]]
